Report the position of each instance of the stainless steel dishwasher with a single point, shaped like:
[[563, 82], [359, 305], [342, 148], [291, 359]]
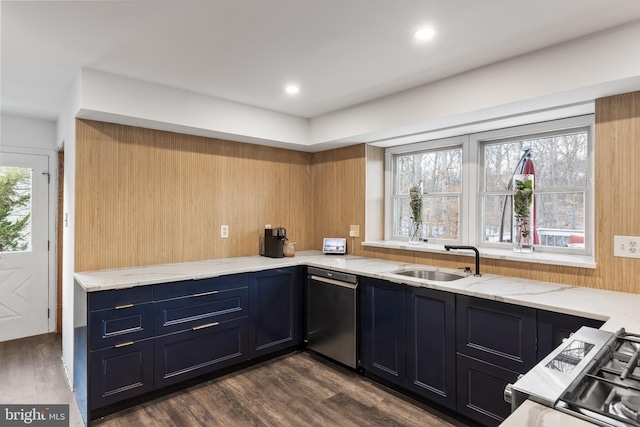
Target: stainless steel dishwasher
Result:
[[332, 315]]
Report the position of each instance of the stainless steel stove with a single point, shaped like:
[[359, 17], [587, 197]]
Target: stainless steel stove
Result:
[[593, 375]]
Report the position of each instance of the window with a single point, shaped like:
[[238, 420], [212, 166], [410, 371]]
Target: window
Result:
[[15, 209], [438, 171], [477, 210]]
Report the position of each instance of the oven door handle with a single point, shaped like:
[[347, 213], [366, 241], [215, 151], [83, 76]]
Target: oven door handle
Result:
[[334, 282]]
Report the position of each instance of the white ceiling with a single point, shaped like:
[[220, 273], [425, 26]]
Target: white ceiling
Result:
[[340, 52]]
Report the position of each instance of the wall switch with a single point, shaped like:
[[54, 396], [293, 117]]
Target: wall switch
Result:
[[626, 246], [224, 231], [354, 231]]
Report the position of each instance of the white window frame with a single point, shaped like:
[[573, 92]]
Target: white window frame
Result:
[[439, 144], [470, 215]]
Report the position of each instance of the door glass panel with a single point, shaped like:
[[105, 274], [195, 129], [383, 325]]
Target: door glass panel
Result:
[[15, 209]]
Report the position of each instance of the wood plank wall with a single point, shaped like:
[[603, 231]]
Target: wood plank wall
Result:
[[148, 197], [145, 197]]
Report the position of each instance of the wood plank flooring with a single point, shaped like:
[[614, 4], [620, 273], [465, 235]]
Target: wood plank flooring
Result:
[[298, 389]]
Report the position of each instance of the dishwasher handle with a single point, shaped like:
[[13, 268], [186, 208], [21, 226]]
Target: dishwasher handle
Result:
[[334, 282]]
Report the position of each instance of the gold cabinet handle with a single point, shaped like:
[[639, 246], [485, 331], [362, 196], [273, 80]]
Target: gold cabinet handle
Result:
[[205, 293], [124, 344], [119, 307], [208, 325]]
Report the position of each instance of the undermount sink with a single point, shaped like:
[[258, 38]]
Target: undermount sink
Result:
[[439, 276]]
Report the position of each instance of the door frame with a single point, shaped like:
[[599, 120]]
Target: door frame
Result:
[[52, 209]]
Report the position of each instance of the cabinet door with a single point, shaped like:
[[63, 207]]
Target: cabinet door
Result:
[[275, 310], [481, 390], [383, 330], [498, 333], [555, 327], [119, 373], [192, 353], [431, 353]]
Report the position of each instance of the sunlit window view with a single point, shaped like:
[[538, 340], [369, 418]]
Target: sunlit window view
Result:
[[15, 209], [439, 174], [559, 164]]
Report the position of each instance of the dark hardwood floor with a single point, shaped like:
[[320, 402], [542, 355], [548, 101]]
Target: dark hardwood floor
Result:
[[298, 389]]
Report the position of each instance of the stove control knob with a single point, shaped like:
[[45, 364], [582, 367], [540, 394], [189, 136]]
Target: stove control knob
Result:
[[508, 393]]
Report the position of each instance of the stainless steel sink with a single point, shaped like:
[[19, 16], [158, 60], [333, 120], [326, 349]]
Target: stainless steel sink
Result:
[[438, 276]]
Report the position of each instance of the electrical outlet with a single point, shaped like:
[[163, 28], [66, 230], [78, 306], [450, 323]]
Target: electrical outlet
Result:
[[224, 231], [354, 231], [626, 246]]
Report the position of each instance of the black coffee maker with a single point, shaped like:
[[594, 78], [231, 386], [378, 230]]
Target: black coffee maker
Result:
[[274, 242]]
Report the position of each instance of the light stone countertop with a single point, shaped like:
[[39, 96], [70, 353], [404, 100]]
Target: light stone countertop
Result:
[[616, 308]]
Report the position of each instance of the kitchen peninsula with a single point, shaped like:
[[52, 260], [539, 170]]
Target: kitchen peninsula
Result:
[[615, 309]]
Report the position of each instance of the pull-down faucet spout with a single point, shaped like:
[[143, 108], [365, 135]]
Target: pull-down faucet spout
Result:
[[471, 248]]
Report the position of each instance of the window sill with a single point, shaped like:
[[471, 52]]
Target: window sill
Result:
[[492, 253]]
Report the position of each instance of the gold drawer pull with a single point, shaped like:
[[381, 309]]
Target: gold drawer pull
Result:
[[118, 307], [205, 293], [208, 325], [124, 344]]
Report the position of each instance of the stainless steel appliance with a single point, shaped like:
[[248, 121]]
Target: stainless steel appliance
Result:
[[331, 315], [593, 375], [274, 242]]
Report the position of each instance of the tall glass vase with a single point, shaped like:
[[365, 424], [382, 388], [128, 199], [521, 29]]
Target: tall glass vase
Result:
[[415, 234], [523, 211]]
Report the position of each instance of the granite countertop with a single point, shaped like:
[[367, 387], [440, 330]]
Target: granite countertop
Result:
[[617, 309]]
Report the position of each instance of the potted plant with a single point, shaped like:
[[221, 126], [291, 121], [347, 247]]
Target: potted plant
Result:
[[415, 203], [522, 213]]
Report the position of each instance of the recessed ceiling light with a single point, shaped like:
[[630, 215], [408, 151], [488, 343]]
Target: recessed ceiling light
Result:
[[426, 33], [292, 89]]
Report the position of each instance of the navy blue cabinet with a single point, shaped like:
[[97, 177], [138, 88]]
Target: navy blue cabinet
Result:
[[555, 327], [120, 372], [431, 347], [200, 328], [275, 310], [481, 389], [383, 330], [495, 342], [120, 354]]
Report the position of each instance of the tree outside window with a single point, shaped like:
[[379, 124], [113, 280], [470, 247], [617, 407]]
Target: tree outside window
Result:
[[15, 209]]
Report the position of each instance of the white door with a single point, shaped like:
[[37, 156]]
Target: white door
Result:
[[24, 287]]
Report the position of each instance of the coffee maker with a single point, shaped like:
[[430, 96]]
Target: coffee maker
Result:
[[274, 242]]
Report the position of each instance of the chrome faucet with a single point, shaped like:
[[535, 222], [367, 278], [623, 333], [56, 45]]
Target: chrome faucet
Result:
[[471, 248]]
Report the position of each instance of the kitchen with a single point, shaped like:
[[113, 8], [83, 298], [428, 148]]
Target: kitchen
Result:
[[294, 189]]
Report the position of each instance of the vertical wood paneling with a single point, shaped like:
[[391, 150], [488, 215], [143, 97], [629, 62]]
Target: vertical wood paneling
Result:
[[339, 194], [148, 197]]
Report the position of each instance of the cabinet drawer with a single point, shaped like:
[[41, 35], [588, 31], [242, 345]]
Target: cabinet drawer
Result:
[[119, 373], [481, 390], [496, 332], [188, 354], [119, 325], [120, 297], [196, 287], [184, 313]]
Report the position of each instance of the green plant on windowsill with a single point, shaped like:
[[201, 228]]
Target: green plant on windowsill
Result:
[[415, 196], [522, 200]]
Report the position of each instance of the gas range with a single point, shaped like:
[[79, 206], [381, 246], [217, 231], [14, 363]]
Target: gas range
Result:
[[593, 375]]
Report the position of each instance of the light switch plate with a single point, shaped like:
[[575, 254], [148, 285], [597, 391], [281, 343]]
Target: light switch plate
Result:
[[626, 246]]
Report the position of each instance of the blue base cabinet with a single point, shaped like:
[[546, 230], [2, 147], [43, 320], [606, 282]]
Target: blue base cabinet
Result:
[[383, 330], [431, 347], [553, 328], [276, 301], [133, 341], [495, 343]]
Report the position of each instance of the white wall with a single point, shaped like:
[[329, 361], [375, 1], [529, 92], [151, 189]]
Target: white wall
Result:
[[23, 132], [66, 136], [117, 99]]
